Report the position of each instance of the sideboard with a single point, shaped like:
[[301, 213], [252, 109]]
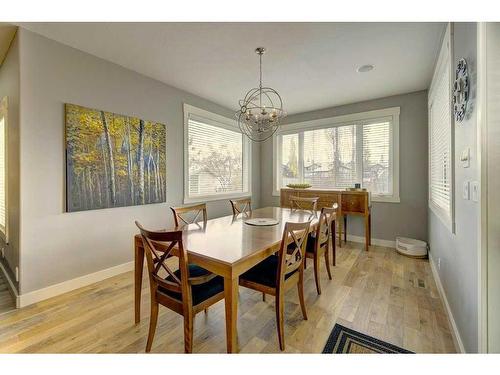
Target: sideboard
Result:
[[350, 203]]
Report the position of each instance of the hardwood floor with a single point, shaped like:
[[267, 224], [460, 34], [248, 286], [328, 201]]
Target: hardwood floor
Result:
[[7, 302], [378, 292]]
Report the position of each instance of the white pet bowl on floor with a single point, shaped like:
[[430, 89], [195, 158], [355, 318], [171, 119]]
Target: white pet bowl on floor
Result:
[[411, 247]]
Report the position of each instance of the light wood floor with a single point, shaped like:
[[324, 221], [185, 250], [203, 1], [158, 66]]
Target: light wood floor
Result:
[[7, 302], [378, 292]]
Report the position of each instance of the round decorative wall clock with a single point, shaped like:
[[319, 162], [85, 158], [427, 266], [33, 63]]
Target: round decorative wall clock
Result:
[[461, 90]]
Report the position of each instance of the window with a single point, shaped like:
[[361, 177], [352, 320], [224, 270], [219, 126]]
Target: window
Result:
[[336, 153], [216, 157], [440, 138], [3, 169]]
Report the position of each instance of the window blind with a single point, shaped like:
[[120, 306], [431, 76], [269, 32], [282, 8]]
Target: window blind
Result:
[[2, 176], [440, 143], [440, 137], [215, 159], [339, 157], [376, 158]]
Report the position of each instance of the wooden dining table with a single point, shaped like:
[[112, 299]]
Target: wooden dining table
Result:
[[227, 246]]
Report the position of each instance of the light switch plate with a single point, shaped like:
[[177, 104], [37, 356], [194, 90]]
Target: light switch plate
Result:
[[465, 158], [474, 191], [465, 191]]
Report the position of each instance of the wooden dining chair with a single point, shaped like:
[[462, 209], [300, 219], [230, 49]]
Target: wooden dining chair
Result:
[[277, 273], [187, 290], [302, 203], [318, 243], [240, 206], [189, 214]]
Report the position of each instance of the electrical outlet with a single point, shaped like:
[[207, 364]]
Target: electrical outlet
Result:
[[17, 274], [439, 263]]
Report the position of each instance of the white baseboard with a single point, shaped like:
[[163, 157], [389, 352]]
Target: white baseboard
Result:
[[455, 332], [69, 285], [375, 241], [11, 285]]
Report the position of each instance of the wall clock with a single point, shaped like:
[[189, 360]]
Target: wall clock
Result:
[[461, 90]]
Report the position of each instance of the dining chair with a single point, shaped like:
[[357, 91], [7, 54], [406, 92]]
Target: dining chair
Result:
[[318, 243], [241, 205], [187, 290], [277, 273], [189, 214], [303, 203]]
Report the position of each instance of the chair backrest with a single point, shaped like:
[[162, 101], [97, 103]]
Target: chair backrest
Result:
[[189, 215], [302, 203], [292, 249], [241, 205], [324, 227], [158, 248]]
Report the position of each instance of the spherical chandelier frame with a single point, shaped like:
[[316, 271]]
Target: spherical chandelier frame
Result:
[[261, 110]]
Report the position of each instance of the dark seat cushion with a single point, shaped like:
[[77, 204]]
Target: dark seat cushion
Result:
[[265, 272], [200, 292]]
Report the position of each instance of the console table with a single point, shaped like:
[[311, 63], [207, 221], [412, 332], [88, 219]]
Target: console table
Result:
[[350, 203]]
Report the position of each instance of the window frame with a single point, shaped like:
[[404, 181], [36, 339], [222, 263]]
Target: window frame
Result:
[[223, 122], [4, 112], [445, 58], [359, 118]]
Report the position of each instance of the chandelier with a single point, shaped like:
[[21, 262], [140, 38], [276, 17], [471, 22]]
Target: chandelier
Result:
[[261, 110]]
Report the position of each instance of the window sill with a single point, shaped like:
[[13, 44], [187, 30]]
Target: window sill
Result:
[[214, 198]]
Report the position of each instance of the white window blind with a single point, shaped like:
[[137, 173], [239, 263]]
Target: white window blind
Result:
[[216, 159], [341, 155], [377, 158], [440, 138], [3, 180]]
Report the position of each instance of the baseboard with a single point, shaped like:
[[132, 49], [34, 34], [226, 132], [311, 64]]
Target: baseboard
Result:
[[11, 285], [455, 333], [67, 286], [375, 241]]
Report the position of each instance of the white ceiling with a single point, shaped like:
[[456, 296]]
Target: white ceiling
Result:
[[312, 65]]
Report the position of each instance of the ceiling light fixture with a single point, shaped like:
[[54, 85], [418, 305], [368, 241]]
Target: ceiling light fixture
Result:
[[365, 68], [261, 110]]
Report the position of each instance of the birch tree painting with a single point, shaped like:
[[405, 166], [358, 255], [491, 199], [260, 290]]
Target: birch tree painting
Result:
[[113, 160]]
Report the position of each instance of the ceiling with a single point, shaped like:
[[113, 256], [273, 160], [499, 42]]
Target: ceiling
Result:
[[312, 65]]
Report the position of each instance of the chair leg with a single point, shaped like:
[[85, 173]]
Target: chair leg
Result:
[[280, 319], [334, 244], [188, 332], [300, 289], [327, 262], [316, 272], [263, 296], [152, 325], [206, 310], [305, 263]]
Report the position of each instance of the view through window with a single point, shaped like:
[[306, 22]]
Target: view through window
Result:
[[339, 157], [216, 155]]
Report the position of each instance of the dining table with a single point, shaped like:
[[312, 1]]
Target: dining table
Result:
[[229, 246]]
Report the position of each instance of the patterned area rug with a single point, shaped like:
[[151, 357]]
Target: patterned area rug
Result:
[[346, 340]]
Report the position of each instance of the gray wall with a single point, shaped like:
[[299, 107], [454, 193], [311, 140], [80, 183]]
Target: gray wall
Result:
[[9, 86], [458, 252], [58, 246], [407, 218]]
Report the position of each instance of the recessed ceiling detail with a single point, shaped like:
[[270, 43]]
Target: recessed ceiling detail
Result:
[[312, 63]]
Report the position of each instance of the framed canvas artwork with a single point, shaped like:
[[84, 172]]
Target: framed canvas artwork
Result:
[[113, 160]]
